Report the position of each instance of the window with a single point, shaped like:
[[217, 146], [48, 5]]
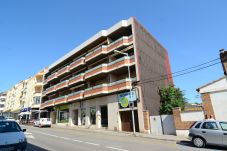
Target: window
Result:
[[9, 126], [198, 125], [37, 100], [223, 126], [63, 116], [210, 125], [93, 115]]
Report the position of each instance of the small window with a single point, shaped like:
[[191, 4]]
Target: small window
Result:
[[210, 125], [223, 126], [198, 125]]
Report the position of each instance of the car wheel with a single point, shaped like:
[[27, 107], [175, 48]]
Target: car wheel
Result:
[[199, 142]]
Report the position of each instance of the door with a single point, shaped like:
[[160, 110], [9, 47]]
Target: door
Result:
[[75, 117], [224, 132], [211, 132], [104, 116], [126, 121]]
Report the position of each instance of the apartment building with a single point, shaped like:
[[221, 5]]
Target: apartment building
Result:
[[23, 100], [100, 82], [2, 102]]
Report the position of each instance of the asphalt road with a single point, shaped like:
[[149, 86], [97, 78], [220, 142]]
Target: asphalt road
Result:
[[56, 139]]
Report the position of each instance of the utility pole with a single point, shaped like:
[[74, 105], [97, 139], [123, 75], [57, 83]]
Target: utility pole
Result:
[[130, 92]]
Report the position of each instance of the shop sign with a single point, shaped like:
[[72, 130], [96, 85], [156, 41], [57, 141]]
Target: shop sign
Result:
[[28, 109], [63, 107], [126, 97]]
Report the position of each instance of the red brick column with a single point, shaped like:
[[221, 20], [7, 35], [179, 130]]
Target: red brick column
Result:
[[207, 104], [146, 120], [180, 125]]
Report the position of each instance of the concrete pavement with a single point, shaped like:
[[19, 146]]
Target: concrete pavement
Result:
[[56, 139]]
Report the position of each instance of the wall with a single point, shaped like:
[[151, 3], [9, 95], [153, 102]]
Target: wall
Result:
[[183, 125], [163, 124], [152, 62], [192, 116], [219, 103]]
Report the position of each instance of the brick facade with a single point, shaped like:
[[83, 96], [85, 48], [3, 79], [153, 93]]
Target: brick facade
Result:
[[179, 124], [207, 105], [146, 120]]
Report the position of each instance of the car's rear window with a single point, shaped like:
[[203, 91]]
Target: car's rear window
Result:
[[198, 125], [223, 126], [9, 126]]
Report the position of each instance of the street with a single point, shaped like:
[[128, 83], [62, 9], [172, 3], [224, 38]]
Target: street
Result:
[[56, 139]]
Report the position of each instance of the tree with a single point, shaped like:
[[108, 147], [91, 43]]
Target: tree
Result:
[[171, 97]]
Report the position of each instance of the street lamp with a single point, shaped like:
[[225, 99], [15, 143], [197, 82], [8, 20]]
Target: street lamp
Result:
[[129, 76]]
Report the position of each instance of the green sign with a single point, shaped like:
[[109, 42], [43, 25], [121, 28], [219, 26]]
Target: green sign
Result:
[[124, 102], [62, 107]]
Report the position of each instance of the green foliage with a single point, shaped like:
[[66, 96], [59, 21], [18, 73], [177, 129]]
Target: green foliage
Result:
[[171, 97]]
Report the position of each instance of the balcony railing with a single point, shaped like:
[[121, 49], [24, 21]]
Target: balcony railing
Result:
[[63, 71], [105, 49], [108, 88], [60, 100], [75, 96], [61, 85], [47, 104], [51, 77], [76, 79], [105, 68], [49, 90], [77, 63]]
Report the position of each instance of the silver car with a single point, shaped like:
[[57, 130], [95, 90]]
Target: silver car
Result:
[[208, 132]]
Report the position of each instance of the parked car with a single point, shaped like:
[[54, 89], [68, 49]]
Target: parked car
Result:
[[208, 132], [43, 122], [12, 136], [2, 117]]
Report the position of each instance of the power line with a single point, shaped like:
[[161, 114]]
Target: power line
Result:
[[186, 69], [148, 81]]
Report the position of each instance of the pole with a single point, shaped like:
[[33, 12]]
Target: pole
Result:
[[133, 118], [130, 92]]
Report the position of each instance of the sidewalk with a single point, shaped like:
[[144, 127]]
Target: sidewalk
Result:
[[171, 138]]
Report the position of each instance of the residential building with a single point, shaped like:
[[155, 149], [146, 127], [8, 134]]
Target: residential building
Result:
[[23, 100], [90, 86], [214, 93], [2, 102]]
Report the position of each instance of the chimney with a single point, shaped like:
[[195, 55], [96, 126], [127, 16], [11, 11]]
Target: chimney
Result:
[[223, 57]]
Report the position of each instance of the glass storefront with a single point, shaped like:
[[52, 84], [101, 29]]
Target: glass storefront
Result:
[[93, 115], [63, 114]]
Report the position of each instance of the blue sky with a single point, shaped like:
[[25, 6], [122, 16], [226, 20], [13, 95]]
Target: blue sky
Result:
[[34, 34]]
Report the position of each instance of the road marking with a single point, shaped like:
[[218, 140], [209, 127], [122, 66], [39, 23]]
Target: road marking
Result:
[[79, 141], [75, 140], [114, 148], [29, 135], [92, 143]]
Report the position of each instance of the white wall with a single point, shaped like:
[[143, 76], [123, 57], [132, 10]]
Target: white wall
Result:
[[219, 102], [192, 116], [162, 124]]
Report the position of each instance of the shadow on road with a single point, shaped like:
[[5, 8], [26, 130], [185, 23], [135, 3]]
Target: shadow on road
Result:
[[189, 144], [32, 147]]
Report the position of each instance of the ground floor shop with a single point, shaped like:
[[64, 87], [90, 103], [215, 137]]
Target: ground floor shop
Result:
[[100, 112]]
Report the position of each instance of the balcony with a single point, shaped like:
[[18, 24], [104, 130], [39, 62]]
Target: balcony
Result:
[[99, 89], [49, 90], [61, 85], [51, 77], [76, 79], [63, 71], [47, 104], [108, 88], [60, 100], [77, 63], [105, 68], [105, 49], [75, 96]]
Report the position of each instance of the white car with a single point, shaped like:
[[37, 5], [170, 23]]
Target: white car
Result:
[[43, 122], [12, 136]]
